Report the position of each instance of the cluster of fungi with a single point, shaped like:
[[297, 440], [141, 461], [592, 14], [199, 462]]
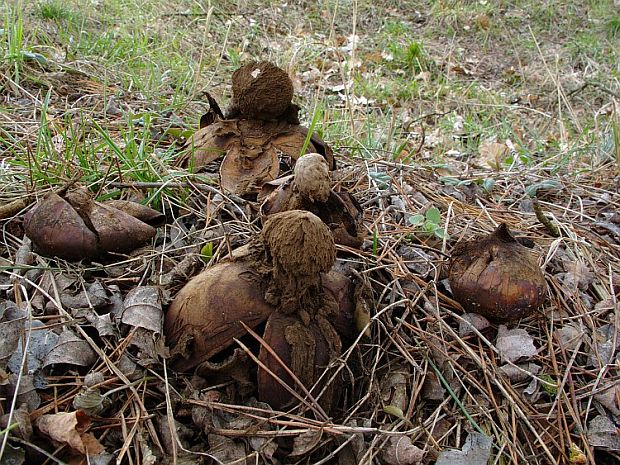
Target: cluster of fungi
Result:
[[283, 284], [283, 281]]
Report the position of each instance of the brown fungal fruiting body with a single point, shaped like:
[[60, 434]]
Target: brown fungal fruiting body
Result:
[[205, 315], [258, 134], [299, 242], [301, 332], [497, 277], [77, 227], [56, 229], [307, 349], [301, 247], [310, 189], [261, 90], [286, 279]]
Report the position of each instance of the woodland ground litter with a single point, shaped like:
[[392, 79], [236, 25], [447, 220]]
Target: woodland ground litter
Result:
[[446, 118]]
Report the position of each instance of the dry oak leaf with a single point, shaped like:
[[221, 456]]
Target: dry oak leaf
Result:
[[70, 428], [514, 344], [400, 451], [476, 451], [603, 434], [11, 329], [143, 308], [492, 154], [72, 350]]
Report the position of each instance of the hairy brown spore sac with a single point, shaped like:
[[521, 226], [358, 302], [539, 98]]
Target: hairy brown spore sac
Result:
[[300, 247], [262, 91], [497, 277], [299, 242]]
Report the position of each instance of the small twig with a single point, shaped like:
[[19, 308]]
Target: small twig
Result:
[[598, 85], [178, 185], [602, 88], [551, 228], [187, 15], [14, 207], [422, 117]]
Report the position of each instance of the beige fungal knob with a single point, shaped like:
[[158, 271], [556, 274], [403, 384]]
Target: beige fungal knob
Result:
[[312, 177]]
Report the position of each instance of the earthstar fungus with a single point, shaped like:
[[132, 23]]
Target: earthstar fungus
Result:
[[286, 280], [309, 188], [259, 134], [497, 277], [75, 226]]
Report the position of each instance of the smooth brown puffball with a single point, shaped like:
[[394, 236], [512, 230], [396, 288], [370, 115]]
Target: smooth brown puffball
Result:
[[299, 243], [497, 277], [261, 90], [312, 177]]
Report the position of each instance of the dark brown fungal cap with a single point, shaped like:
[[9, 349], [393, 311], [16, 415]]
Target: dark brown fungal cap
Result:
[[261, 90]]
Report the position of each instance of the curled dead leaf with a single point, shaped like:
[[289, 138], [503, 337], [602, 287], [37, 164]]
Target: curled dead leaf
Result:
[[72, 350], [70, 428], [476, 451], [514, 344], [492, 154], [400, 451], [603, 433], [11, 330], [142, 308]]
